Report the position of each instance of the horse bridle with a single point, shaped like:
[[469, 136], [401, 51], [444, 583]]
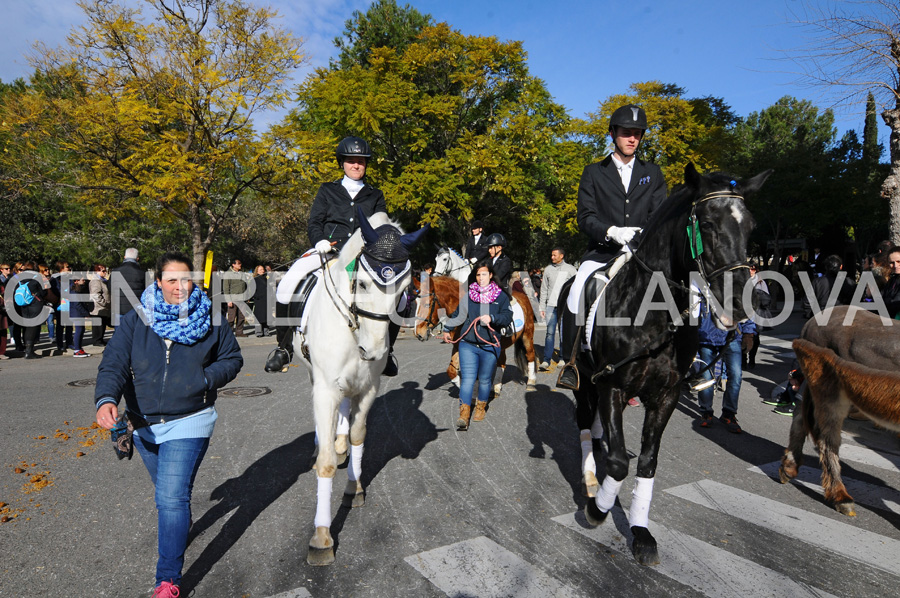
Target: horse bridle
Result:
[[697, 246], [433, 308], [451, 270], [353, 311]]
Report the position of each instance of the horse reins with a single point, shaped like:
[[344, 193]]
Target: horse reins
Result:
[[486, 342]]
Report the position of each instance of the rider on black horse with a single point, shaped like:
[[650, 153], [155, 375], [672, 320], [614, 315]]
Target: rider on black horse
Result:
[[332, 221], [616, 198]]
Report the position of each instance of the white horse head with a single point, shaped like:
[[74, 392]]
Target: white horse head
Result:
[[449, 262]]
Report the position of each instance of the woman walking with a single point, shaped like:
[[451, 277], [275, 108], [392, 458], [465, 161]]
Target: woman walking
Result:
[[479, 345], [169, 371]]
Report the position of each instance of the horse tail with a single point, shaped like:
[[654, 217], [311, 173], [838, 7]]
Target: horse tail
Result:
[[521, 355]]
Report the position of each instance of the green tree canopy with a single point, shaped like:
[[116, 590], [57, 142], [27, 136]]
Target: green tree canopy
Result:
[[459, 129], [680, 130], [157, 114]]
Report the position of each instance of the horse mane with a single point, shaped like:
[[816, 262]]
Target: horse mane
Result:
[[354, 245], [454, 251]]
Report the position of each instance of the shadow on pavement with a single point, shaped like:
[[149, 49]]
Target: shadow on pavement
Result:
[[248, 495]]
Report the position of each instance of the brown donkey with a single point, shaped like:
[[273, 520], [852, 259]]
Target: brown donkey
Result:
[[850, 359]]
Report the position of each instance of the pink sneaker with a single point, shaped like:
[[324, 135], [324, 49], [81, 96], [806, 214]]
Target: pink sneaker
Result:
[[166, 590]]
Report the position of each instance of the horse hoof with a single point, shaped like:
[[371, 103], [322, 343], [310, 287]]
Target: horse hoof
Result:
[[644, 547], [321, 548], [846, 508], [497, 389], [354, 495], [530, 387], [593, 514], [589, 484]]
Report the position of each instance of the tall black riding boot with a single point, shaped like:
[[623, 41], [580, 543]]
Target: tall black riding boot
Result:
[[569, 345], [284, 352], [391, 368], [29, 351]]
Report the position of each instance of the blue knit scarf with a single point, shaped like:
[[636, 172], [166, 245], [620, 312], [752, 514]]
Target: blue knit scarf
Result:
[[185, 323]]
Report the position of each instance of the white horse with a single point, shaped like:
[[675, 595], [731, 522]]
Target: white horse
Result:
[[345, 347], [449, 262]]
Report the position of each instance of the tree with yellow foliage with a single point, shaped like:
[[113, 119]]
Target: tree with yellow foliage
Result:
[[155, 115]]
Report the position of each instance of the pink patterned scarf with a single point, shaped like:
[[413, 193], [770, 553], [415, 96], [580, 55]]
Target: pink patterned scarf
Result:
[[484, 295]]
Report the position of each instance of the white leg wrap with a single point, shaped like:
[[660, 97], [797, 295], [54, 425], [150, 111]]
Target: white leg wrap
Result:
[[354, 469], [323, 502], [597, 428], [641, 496], [609, 490], [587, 453], [343, 420]]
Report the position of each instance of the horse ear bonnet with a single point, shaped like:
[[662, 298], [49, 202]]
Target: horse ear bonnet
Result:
[[386, 259]]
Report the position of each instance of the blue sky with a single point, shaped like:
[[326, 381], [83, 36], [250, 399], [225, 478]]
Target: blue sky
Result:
[[584, 50]]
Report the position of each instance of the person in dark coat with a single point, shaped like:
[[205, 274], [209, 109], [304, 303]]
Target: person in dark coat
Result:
[[31, 287], [500, 261], [488, 311], [616, 199], [168, 360], [260, 300], [332, 221], [128, 275], [823, 287], [891, 291], [80, 306], [476, 245]]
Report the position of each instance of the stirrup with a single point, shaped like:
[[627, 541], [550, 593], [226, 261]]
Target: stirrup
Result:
[[569, 377], [278, 360]]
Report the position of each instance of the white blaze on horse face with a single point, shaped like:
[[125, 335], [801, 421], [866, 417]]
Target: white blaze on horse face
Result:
[[736, 212]]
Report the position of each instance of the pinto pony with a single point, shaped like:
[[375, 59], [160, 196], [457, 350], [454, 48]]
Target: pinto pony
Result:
[[444, 292], [699, 235], [345, 347], [849, 357]]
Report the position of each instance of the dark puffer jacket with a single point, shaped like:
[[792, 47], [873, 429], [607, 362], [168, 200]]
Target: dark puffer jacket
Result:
[[163, 383]]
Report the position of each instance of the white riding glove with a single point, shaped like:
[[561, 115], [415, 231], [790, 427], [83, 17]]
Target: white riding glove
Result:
[[622, 234], [324, 246], [472, 260]]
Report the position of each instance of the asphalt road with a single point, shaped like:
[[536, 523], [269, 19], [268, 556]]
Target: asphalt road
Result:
[[487, 512]]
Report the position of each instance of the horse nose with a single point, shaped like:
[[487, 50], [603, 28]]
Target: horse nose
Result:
[[364, 354]]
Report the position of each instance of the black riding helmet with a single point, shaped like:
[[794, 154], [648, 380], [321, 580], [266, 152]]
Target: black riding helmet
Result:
[[496, 239], [350, 147], [629, 117]]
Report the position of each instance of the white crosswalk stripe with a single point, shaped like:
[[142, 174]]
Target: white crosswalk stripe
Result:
[[481, 567], [695, 563], [880, 497], [846, 540]]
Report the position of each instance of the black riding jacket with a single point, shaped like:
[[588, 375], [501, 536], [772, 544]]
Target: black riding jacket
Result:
[[333, 214]]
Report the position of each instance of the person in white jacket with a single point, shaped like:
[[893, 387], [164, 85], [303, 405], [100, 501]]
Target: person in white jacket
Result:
[[555, 275]]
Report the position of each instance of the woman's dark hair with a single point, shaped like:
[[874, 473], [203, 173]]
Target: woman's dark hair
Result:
[[169, 257], [485, 263]]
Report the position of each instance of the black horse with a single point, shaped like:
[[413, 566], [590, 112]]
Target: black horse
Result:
[[699, 236]]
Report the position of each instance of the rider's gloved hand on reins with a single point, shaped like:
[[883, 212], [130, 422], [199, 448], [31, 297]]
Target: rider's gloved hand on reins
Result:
[[622, 234], [323, 246]]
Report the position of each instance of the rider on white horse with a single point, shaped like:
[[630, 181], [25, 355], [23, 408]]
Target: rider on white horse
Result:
[[616, 198], [332, 221]]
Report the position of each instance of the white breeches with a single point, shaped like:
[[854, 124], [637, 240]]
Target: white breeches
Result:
[[305, 264]]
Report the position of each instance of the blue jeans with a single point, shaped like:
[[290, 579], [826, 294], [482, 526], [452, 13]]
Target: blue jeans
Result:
[[173, 466], [550, 339], [476, 363], [731, 356]]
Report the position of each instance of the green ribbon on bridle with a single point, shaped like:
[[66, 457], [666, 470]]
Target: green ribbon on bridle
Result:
[[693, 233]]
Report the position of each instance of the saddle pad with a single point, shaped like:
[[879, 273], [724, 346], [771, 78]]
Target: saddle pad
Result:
[[518, 321]]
